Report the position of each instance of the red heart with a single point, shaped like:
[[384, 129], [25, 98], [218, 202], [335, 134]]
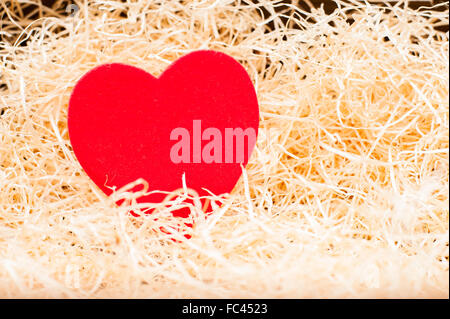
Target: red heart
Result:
[[121, 119]]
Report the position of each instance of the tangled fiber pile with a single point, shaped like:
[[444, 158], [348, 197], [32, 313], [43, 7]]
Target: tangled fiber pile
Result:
[[346, 194]]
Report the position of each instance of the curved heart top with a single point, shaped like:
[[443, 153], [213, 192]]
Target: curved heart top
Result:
[[125, 124]]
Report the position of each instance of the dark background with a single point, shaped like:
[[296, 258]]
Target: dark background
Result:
[[26, 12]]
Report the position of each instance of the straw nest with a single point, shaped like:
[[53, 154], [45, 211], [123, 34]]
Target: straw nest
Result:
[[346, 194]]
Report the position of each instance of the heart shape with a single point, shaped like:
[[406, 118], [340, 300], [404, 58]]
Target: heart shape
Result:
[[199, 118]]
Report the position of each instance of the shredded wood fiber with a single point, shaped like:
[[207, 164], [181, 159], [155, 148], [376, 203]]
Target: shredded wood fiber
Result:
[[346, 194]]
